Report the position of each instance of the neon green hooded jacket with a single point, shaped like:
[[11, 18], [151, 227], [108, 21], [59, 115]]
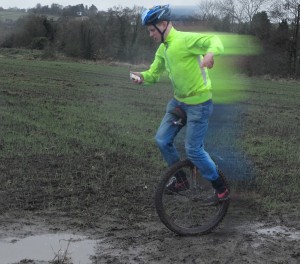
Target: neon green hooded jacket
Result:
[[180, 55]]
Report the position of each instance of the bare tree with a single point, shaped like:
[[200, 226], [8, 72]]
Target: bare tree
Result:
[[293, 9], [207, 10], [231, 9], [252, 7], [241, 10], [289, 10]]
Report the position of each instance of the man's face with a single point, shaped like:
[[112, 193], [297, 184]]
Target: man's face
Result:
[[153, 32]]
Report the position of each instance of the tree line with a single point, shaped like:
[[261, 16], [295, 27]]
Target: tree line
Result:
[[117, 34], [84, 33]]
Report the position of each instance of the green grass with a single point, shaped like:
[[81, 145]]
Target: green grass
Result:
[[12, 15], [75, 136], [271, 138], [52, 102], [15, 15]]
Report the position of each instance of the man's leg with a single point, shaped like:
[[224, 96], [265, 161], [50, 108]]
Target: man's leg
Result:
[[197, 125], [165, 135]]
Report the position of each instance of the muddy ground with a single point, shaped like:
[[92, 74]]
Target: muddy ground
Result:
[[245, 236]]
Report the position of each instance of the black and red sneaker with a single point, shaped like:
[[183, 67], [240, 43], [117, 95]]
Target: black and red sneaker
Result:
[[223, 196], [216, 198]]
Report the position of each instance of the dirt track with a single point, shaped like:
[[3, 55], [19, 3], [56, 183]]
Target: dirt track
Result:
[[243, 237]]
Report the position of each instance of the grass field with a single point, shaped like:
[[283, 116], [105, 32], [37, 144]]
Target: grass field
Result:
[[271, 138], [78, 135], [11, 15], [75, 135]]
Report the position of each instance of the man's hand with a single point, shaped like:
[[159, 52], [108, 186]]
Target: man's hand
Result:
[[138, 78], [208, 61]]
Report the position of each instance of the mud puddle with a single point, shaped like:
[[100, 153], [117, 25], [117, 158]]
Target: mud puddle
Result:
[[47, 247], [277, 232], [237, 240]]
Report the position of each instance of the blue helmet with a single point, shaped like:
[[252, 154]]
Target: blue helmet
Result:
[[156, 14]]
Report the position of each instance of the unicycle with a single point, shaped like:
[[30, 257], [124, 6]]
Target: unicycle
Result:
[[187, 212]]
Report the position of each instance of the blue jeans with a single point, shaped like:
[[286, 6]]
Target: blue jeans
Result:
[[197, 124]]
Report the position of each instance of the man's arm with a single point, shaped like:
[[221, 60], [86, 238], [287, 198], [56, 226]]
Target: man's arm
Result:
[[203, 44], [152, 75]]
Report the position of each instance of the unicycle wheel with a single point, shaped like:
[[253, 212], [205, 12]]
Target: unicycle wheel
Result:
[[186, 212]]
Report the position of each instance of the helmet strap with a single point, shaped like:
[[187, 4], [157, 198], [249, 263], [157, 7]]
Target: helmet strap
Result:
[[162, 32]]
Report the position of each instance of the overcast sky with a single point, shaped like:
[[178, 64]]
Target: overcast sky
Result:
[[100, 4]]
